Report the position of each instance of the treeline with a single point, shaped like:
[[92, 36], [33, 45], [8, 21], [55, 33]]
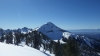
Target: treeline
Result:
[[38, 40]]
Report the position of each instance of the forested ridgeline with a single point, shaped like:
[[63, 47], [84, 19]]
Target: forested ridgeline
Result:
[[38, 40]]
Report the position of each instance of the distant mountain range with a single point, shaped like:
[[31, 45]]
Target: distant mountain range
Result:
[[56, 33], [86, 37], [21, 30], [49, 29]]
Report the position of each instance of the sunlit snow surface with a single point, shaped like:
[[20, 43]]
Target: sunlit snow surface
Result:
[[66, 34], [12, 50]]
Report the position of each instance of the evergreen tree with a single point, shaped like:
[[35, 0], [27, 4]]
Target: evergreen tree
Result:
[[7, 39], [36, 40], [64, 49], [17, 38], [2, 38], [58, 49], [51, 46], [72, 47], [10, 38]]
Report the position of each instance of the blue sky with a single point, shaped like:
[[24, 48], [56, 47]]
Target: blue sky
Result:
[[67, 14]]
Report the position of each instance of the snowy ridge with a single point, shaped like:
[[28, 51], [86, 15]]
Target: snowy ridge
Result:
[[23, 30], [66, 34]]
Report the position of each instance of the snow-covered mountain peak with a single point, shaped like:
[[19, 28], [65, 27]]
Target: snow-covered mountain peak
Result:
[[50, 23], [50, 27], [52, 31]]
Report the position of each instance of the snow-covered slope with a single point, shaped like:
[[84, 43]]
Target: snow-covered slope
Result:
[[53, 32], [12, 50]]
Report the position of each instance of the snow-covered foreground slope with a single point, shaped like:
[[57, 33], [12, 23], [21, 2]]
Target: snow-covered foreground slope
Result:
[[12, 50]]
